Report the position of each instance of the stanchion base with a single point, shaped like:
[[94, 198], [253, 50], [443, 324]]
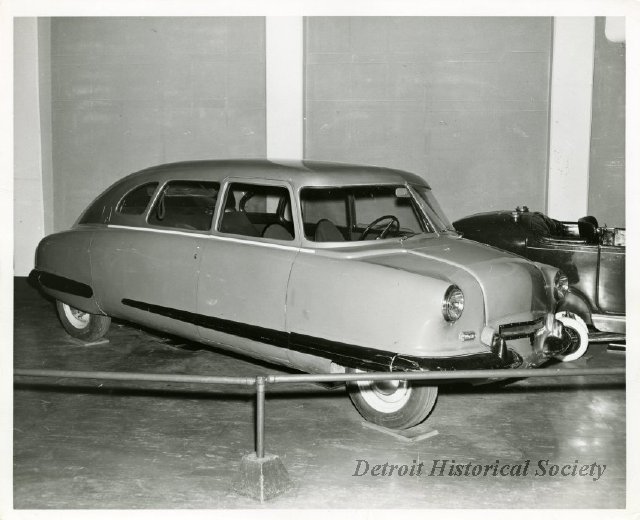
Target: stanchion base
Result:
[[262, 479], [80, 343], [414, 434]]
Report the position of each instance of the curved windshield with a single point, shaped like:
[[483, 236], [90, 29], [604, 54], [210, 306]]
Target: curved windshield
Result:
[[352, 213], [432, 208]]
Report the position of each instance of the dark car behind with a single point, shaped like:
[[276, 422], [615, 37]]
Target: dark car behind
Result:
[[592, 257]]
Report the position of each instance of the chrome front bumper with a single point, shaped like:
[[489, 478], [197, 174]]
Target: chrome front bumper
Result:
[[535, 341]]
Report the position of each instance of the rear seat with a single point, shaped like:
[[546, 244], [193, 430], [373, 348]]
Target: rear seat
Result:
[[237, 223]]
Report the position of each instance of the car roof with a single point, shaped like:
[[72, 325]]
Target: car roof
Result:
[[299, 173]]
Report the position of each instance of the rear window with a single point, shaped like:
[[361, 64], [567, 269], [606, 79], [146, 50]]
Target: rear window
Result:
[[99, 211], [185, 205], [136, 201]]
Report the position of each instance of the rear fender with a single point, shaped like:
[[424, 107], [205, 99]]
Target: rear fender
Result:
[[63, 269]]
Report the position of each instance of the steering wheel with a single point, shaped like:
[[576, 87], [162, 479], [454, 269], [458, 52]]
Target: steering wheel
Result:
[[393, 222]]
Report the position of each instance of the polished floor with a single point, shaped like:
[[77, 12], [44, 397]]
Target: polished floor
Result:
[[92, 445]]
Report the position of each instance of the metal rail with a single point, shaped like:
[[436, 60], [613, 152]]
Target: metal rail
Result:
[[444, 375], [322, 378], [136, 376], [260, 382]]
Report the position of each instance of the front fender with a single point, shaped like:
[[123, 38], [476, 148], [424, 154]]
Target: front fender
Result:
[[378, 304], [576, 302], [549, 272]]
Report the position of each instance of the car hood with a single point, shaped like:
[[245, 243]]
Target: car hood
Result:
[[511, 285]]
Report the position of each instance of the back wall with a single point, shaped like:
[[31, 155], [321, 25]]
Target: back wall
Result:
[[607, 157], [128, 93], [462, 101]]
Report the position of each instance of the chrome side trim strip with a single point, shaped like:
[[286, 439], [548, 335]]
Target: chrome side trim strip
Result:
[[214, 237]]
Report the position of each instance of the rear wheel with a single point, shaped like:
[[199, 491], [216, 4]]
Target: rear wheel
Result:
[[393, 404], [82, 325]]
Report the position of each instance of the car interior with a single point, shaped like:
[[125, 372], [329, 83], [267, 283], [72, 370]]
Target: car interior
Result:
[[586, 230], [185, 205], [258, 211], [346, 214]]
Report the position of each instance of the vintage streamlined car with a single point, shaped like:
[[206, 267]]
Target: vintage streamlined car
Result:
[[592, 257], [323, 267]]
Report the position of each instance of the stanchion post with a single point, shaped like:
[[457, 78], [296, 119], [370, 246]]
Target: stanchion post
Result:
[[260, 383], [261, 476]]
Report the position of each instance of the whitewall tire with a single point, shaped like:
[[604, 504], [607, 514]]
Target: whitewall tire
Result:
[[394, 404], [82, 325], [577, 329]]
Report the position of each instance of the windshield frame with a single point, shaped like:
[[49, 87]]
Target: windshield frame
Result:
[[431, 209]]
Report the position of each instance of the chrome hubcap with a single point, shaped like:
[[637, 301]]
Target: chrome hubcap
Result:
[[77, 318], [385, 387], [385, 396]]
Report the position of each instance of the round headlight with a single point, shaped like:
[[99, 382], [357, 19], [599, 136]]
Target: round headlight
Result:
[[560, 285], [453, 303]]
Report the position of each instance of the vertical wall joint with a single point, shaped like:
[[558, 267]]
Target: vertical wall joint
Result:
[[285, 107]]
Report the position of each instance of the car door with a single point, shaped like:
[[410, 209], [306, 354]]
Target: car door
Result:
[[611, 279], [146, 270], [246, 263]]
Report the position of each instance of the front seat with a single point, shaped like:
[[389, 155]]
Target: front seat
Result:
[[326, 231], [277, 232], [588, 229]]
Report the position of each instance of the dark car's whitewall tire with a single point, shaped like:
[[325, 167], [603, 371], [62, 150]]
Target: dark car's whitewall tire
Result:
[[393, 404], [82, 325], [577, 329]]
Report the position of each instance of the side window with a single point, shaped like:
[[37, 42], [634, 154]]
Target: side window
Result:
[[256, 210], [185, 205], [324, 213], [136, 201]]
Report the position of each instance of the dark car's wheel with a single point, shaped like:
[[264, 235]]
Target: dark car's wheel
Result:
[[82, 325], [393, 404], [577, 330]]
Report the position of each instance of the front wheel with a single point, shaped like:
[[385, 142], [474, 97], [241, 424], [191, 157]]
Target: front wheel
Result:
[[82, 325], [393, 404]]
